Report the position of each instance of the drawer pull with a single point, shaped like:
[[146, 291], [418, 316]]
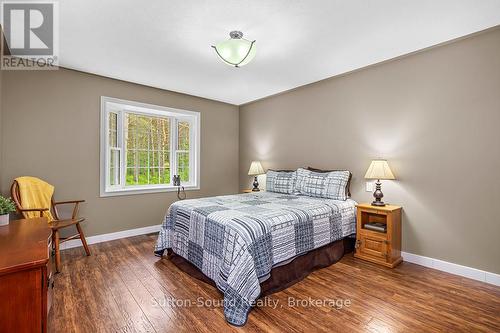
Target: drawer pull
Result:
[[357, 244]]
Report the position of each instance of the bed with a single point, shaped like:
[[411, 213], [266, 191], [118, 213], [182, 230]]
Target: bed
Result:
[[242, 242]]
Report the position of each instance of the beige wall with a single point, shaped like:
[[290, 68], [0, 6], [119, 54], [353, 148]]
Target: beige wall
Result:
[[434, 115], [50, 129]]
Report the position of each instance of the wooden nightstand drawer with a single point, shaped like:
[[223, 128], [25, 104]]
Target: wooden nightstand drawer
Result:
[[374, 211]]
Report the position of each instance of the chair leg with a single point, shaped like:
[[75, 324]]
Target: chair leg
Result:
[[58, 254], [82, 237]]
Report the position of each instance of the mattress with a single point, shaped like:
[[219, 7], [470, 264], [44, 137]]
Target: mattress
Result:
[[236, 240]]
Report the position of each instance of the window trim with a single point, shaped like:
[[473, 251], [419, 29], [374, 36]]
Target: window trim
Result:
[[143, 108]]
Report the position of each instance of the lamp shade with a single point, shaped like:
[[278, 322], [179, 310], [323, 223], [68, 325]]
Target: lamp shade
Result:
[[255, 169], [236, 51], [379, 169]]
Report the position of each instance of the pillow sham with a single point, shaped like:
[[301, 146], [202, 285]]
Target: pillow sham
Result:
[[331, 185], [281, 181], [348, 186]]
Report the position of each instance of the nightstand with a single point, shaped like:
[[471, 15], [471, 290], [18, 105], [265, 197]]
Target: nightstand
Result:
[[384, 246], [249, 190]]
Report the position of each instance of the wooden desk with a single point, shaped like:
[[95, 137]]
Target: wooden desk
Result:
[[25, 275]]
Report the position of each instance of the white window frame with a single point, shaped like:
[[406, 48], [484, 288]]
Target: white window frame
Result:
[[119, 106]]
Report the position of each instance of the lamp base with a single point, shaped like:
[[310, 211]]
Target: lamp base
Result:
[[378, 195], [255, 185]]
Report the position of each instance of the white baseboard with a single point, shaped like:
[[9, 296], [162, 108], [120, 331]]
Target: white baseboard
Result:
[[111, 236], [441, 265], [445, 266]]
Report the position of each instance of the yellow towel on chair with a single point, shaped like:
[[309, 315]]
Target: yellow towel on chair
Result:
[[35, 193]]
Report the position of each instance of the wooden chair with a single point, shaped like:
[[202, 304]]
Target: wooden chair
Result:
[[57, 223]]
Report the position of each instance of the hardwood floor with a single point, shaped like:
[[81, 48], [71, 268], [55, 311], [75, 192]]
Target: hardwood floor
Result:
[[123, 287]]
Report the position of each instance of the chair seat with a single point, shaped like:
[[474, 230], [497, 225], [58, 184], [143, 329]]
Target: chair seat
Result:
[[58, 224]]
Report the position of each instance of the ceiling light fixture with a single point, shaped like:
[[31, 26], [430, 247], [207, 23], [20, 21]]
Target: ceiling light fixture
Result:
[[236, 51]]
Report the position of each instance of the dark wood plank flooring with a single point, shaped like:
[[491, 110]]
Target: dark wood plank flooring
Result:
[[122, 287]]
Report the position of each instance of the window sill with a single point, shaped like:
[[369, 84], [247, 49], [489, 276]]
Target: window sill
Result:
[[146, 190]]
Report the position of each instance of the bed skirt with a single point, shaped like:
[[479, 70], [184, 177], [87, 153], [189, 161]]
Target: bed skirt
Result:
[[284, 276]]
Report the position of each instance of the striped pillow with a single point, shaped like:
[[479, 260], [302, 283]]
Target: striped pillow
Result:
[[280, 181], [331, 185]]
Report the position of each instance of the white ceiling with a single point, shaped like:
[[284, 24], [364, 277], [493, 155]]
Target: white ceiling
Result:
[[166, 44]]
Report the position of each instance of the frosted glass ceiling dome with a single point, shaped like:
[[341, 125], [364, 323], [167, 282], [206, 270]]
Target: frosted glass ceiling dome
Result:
[[236, 51]]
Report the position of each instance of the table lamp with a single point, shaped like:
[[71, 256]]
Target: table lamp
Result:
[[255, 170], [379, 169]]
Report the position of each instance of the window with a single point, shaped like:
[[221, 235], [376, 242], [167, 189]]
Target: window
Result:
[[143, 146]]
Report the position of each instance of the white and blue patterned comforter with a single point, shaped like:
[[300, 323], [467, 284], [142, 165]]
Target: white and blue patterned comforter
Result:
[[237, 239]]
